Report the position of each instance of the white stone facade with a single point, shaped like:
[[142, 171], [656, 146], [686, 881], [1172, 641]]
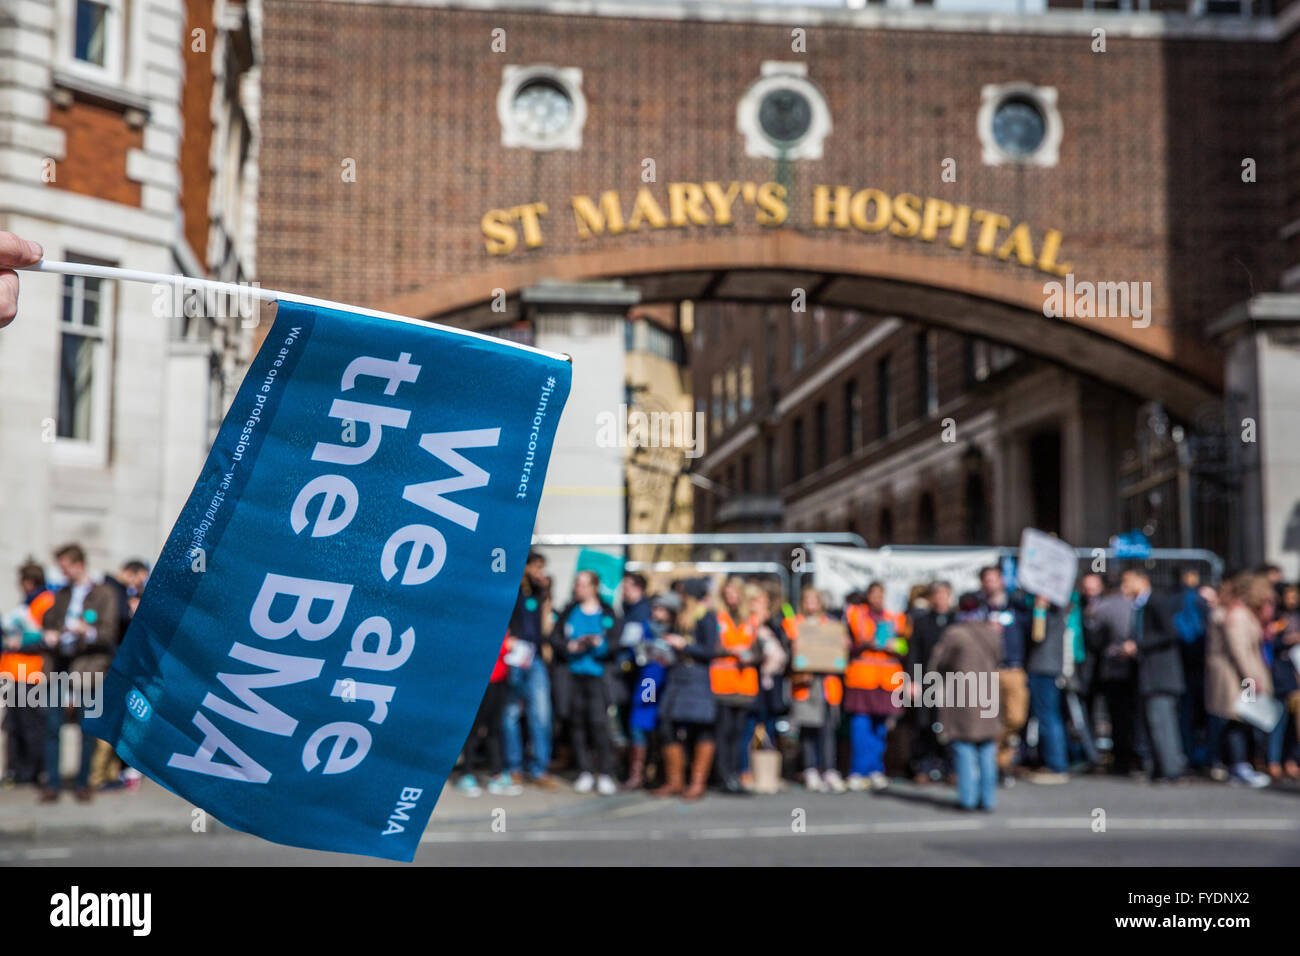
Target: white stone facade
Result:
[[156, 392]]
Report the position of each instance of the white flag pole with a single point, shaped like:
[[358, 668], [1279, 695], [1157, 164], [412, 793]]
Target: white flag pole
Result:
[[90, 271]]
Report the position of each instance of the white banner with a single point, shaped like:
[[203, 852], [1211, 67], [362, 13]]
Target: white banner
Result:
[[1047, 566], [841, 570]]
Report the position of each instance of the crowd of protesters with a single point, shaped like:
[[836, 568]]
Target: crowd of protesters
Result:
[[73, 631], [686, 684], [674, 692]]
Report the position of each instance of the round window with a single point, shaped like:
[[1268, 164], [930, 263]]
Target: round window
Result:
[[785, 115], [542, 108], [1019, 126]]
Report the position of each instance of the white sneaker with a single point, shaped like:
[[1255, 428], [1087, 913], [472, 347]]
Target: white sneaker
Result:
[[605, 785], [1245, 773], [858, 783], [834, 781], [584, 783], [812, 781], [879, 781], [1049, 777]]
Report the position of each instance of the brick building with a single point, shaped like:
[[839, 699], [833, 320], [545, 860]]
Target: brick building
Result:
[[864, 206], [129, 139]]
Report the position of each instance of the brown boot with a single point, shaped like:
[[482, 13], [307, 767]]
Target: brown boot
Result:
[[700, 767], [635, 767], [674, 771]]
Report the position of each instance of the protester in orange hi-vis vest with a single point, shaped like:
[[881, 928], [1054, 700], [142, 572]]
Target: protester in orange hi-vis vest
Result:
[[733, 676], [22, 662], [815, 704], [879, 642]]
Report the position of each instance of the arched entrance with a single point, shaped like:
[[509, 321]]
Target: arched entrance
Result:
[[990, 300]]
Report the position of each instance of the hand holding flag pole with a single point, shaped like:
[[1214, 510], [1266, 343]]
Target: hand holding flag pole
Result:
[[91, 271], [15, 253]]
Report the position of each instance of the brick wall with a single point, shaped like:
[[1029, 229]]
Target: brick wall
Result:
[[1289, 120], [97, 139], [1148, 185], [196, 127]]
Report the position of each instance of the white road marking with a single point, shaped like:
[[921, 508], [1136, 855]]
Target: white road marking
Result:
[[1155, 823], [1080, 823], [39, 853], [637, 809]]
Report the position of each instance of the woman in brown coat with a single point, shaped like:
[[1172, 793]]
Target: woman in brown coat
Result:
[[966, 661], [1233, 657]]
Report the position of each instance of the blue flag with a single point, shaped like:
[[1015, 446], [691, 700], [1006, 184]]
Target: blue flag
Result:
[[312, 647]]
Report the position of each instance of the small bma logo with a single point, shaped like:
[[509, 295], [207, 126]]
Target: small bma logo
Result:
[[136, 705]]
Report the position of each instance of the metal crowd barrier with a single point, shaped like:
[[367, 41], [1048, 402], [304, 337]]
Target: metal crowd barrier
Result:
[[1168, 557]]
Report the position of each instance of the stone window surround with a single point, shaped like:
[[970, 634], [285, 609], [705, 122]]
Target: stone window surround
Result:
[[513, 79], [992, 96], [775, 75]]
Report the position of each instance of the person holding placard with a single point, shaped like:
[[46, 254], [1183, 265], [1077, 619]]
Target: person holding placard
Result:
[[816, 702], [1045, 664], [998, 605]]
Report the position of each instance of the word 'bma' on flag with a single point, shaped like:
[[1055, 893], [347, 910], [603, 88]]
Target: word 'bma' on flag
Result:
[[311, 650]]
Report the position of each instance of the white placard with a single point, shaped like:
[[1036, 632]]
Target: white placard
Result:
[[1047, 566], [841, 570], [521, 655]]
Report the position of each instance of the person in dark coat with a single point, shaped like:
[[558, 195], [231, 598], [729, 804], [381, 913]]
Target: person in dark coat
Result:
[[1155, 645], [1108, 624], [1284, 747], [536, 697], [640, 714], [1092, 591], [1191, 618], [688, 708], [927, 762], [967, 658]]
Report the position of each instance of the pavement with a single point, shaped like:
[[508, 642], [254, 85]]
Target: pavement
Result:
[[1092, 821]]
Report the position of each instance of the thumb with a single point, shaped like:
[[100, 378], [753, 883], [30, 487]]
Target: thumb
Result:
[[18, 252]]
